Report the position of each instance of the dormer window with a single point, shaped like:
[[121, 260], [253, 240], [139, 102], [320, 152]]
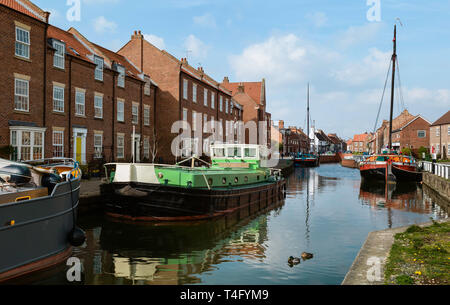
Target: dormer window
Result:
[[58, 58], [121, 78], [99, 69]]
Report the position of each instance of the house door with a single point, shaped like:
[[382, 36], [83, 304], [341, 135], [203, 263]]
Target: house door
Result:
[[136, 142], [79, 147]]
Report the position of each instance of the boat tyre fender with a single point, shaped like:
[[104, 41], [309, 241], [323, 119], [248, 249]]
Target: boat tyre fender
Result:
[[77, 236]]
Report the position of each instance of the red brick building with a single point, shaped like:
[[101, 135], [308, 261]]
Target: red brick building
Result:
[[414, 134], [440, 136], [186, 94], [252, 96], [67, 97]]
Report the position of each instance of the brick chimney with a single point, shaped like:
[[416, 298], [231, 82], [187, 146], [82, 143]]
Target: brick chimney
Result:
[[280, 124], [241, 88], [226, 80], [184, 61], [200, 69], [137, 35]]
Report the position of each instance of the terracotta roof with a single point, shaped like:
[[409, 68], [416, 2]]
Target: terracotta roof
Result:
[[349, 142], [360, 137], [334, 138], [26, 7], [445, 119], [253, 89], [73, 46]]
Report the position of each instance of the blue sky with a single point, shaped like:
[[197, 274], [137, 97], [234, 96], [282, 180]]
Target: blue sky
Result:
[[329, 43]]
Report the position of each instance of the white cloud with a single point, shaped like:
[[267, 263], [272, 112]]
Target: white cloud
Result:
[[359, 34], [206, 20], [195, 47], [101, 25], [155, 40], [54, 14], [319, 19]]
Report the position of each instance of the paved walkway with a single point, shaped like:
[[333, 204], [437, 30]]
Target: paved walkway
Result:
[[374, 251]]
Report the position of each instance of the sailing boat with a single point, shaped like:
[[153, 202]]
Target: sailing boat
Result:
[[307, 160], [391, 166]]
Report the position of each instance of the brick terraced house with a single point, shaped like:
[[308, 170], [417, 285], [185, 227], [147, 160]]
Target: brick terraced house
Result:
[[64, 96], [185, 94], [440, 136]]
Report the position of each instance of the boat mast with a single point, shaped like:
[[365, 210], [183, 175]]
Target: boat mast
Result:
[[307, 130], [394, 59]]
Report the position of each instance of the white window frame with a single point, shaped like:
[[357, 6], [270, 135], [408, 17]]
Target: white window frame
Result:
[[424, 134], [120, 111], [23, 97], [185, 89], [213, 101], [98, 106], [205, 122], [80, 104], [134, 113], [24, 43], [18, 145], [58, 147], [59, 59], [98, 147], [438, 131], [146, 148], [120, 148], [185, 114], [147, 86], [194, 120], [121, 77], [226, 106], [58, 102], [100, 62], [205, 97], [146, 115], [221, 103], [448, 130], [194, 92]]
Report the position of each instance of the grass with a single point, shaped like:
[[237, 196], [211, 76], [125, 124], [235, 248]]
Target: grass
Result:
[[420, 256]]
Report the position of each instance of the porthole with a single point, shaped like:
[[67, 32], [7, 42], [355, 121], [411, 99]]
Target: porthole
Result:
[[246, 179], [210, 181], [224, 180], [161, 175], [257, 178], [236, 180]]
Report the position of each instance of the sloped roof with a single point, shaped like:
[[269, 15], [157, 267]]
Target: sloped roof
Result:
[[26, 7], [72, 44], [360, 137], [445, 119], [253, 89]]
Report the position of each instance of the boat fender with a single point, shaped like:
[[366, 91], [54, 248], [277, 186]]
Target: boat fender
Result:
[[50, 181], [77, 237], [17, 174]]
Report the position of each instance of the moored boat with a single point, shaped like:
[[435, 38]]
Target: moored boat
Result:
[[390, 167], [306, 160], [234, 180], [37, 218]]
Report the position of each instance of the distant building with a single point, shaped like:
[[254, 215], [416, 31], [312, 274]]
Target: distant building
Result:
[[440, 136], [360, 143], [323, 143]]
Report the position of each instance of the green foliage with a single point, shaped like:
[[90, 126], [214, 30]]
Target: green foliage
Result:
[[413, 229], [404, 280], [406, 151]]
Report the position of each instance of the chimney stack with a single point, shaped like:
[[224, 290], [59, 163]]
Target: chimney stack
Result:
[[226, 80], [280, 124], [241, 88]]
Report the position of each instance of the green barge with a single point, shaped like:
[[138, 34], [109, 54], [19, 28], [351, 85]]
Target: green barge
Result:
[[235, 179]]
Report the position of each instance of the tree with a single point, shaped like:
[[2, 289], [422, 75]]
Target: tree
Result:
[[406, 151]]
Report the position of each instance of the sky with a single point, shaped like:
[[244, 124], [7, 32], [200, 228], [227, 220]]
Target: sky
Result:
[[341, 47]]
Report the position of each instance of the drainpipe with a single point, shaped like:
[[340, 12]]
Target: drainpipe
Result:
[[113, 156], [141, 119], [45, 75]]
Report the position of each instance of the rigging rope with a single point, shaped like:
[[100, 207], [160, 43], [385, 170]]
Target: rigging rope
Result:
[[382, 97]]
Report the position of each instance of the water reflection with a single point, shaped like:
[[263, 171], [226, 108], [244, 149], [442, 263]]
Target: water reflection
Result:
[[170, 254]]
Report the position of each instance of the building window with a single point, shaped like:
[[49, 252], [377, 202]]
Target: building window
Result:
[[98, 106], [58, 58], [194, 120], [99, 68], [120, 147], [205, 97], [421, 134], [27, 144], [205, 122], [58, 99], [147, 86], [226, 106], [79, 103], [185, 114], [221, 127], [194, 93], [22, 43], [121, 78], [21, 96], [448, 130], [98, 146], [120, 111], [58, 144], [438, 131], [146, 148], [212, 101], [135, 113], [221, 103], [185, 89], [146, 115]]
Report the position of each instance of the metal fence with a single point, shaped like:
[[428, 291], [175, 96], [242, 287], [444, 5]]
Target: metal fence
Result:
[[439, 169]]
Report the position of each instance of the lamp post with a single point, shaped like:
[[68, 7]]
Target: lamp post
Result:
[[288, 133]]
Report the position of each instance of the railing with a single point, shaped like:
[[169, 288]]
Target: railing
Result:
[[438, 169]]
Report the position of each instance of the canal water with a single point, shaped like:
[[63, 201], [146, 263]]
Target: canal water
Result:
[[327, 212]]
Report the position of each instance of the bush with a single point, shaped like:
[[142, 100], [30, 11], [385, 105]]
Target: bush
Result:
[[406, 151], [404, 280], [414, 229]]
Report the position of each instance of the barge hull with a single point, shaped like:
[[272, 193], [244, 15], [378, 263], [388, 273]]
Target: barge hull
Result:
[[151, 202]]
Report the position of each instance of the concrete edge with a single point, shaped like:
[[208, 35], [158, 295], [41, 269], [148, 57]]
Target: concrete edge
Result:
[[371, 248]]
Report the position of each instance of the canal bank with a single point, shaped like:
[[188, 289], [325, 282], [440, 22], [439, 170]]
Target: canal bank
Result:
[[369, 265], [440, 185]]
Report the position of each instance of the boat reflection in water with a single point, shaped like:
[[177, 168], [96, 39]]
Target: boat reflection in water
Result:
[[150, 254], [405, 197]]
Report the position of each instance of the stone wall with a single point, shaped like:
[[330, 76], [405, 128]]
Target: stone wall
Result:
[[440, 185]]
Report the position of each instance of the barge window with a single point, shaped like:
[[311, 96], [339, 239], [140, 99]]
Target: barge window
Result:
[[219, 152], [250, 152]]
